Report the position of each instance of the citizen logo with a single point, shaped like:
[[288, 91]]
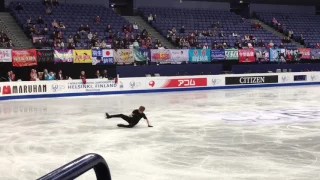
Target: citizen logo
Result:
[[252, 80]]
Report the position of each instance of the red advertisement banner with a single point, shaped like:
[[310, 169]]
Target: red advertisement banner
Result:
[[246, 55], [26, 57], [185, 82], [306, 53]]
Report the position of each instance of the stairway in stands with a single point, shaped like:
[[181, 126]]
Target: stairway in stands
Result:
[[273, 31], [154, 34], [14, 32]]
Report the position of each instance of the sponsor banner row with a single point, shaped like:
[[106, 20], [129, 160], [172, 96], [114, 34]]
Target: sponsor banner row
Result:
[[149, 83], [30, 57]]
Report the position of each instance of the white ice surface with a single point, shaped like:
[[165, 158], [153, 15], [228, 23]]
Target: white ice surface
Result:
[[269, 133]]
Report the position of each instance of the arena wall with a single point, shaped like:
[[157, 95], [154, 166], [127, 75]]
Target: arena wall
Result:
[[282, 8], [51, 89]]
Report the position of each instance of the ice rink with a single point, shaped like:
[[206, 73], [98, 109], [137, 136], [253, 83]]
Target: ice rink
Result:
[[252, 134]]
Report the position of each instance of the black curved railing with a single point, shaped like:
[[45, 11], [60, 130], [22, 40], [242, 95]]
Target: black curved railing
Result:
[[79, 166]]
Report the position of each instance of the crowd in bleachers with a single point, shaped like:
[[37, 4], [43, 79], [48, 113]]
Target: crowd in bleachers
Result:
[[56, 25], [210, 29], [303, 28]]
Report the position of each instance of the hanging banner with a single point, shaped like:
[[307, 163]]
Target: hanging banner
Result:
[[5, 55], [82, 56], [45, 55], [231, 54], [161, 56], [277, 55], [315, 53], [218, 54], [124, 56], [292, 54], [305, 53], [179, 55], [199, 55], [141, 54], [108, 56], [26, 57], [63, 56], [246, 55], [96, 56], [262, 54]]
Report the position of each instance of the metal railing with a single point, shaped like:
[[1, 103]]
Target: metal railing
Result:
[[79, 166]]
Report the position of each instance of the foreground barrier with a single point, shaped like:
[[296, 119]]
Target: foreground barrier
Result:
[[46, 89]]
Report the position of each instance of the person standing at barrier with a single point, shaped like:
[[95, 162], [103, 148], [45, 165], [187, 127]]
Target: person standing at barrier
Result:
[[133, 119]]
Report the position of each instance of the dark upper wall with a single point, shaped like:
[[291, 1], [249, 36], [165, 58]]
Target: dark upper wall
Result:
[[282, 8], [184, 4], [102, 2]]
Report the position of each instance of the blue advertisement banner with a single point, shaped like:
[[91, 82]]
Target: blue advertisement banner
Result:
[[277, 55], [141, 54], [218, 54], [199, 55], [315, 53]]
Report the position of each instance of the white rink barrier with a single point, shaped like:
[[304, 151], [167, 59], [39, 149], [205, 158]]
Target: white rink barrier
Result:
[[49, 89]]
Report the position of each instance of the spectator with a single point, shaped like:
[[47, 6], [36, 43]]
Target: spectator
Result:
[[103, 44], [53, 36], [205, 46], [274, 20], [48, 11], [29, 21], [70, 39], [10, 44], [3, 43], [244, 43], [135, 26], [154, 17], [210, 34], [271, 44], [251, 37], [39, 44], [182, 30], [246, 37], [82, 75], [54, 24], [19, 7], [317, 46], [97, 19], [217, 25], [221, 34], [286, 39], [11, 76], [48, 43], [33, 75], [50, 76], [61, 25], [174, 30], [237, 44], [97, 75], [281, 45], [60, 75], [130, 29], [87, 28], [301, 39], [60, 35], [55, 3], [105, 74], [262, 44], [81, 28], [71, 46], [109, 29], [234, 34], [150, 18], [40, 20], [290, 33], [90, 36], [254, 43], [124, 28], [45, 30]]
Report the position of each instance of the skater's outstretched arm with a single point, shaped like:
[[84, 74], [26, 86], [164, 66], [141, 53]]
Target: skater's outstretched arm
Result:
[[148, 122]]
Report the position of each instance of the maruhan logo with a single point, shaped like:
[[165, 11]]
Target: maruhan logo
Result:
[[252, 80]]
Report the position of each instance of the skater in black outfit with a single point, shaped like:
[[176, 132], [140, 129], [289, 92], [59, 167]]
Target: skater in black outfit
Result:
[[133, 119]]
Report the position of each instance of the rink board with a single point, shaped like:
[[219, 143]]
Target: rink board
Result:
[[66, 88]]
